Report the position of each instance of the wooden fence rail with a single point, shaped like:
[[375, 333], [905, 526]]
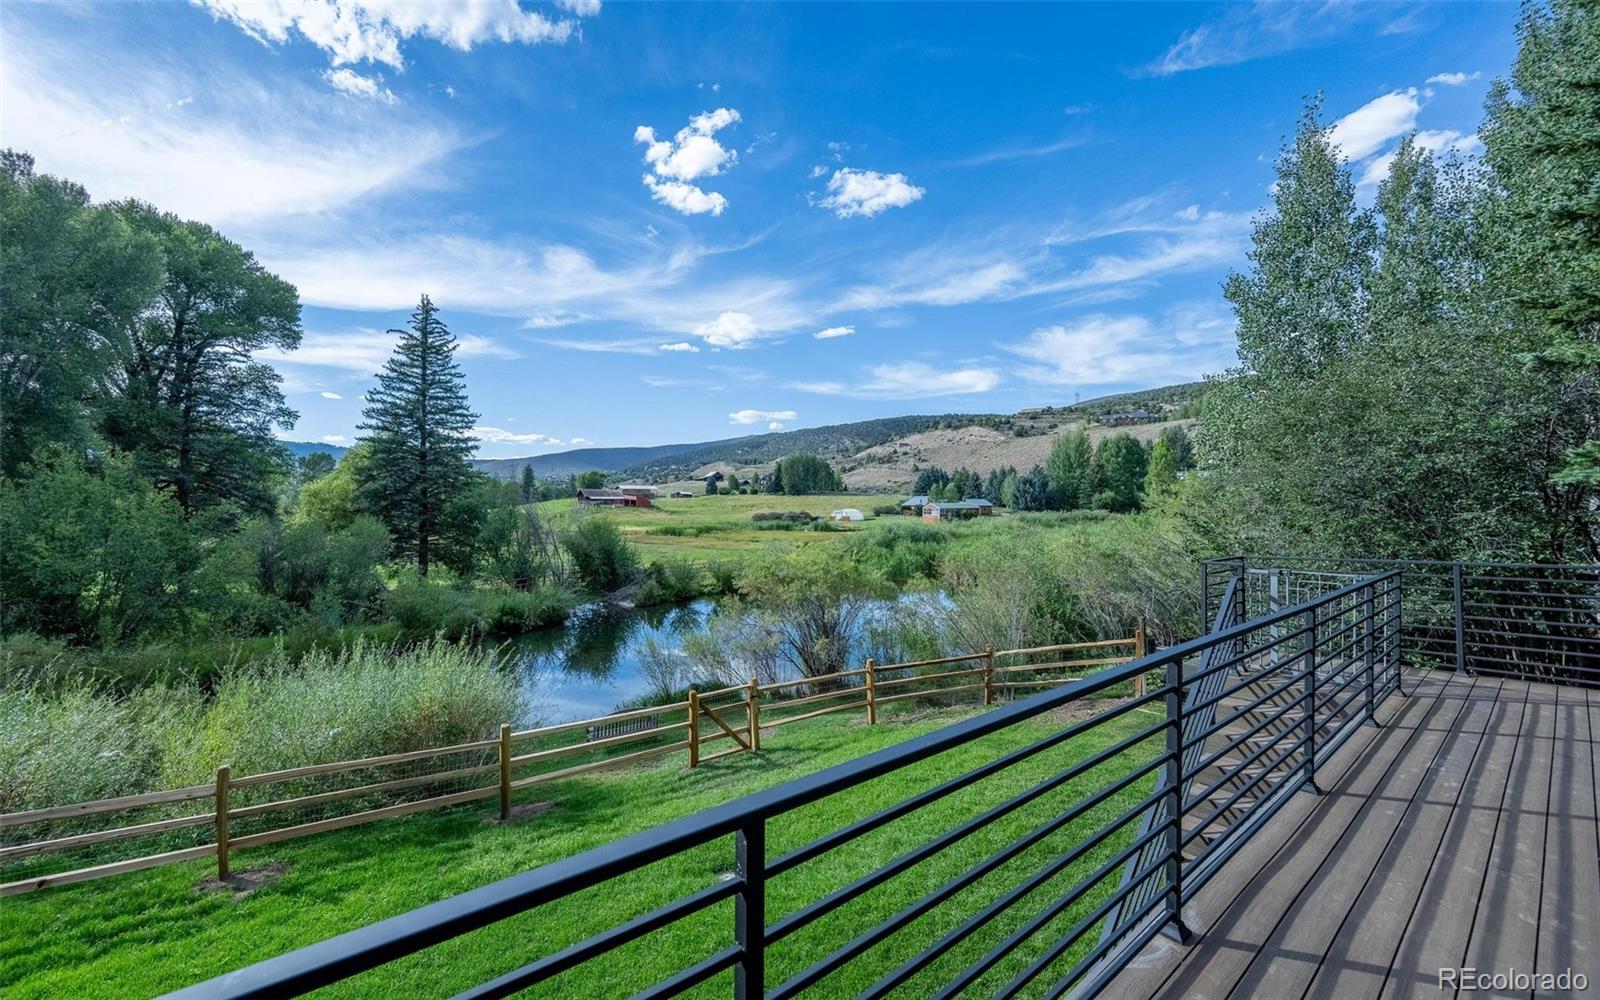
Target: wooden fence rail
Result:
[[236, 812]]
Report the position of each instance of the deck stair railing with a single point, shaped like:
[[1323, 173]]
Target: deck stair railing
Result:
[[1038, 805]]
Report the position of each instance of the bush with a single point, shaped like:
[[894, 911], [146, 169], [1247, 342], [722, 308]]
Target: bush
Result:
[[885, 510], [423, 609], [791, 516], [601, 559], [511, 612], [669, 583]]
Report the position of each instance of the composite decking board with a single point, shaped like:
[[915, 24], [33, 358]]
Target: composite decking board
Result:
[[1570, 905], [1155, 964], [1245, 914], [1351, 841], [1151, 968], [1435, 935], [1360, 952], [1505, 923]]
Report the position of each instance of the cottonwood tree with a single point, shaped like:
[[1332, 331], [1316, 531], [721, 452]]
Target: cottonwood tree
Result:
[[1069, 469], [417, 422], [186, 398]]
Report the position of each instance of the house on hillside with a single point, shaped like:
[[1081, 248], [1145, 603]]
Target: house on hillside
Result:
[[913, 505], [956, 510], [612, 497]]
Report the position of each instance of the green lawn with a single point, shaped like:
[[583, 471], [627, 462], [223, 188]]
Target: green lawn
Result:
[[142, 934], [718, 527]]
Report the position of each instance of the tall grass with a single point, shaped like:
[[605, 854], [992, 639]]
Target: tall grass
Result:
[[79, 742]]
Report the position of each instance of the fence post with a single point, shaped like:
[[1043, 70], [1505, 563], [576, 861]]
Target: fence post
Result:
[[505, 771], [1369, 627], [1461, 630], [872, 695], [750, 910], [694, 728], [1310, 738], [1139, 651], [753, 696], [224, 777], [988, 675], [1172, 775]]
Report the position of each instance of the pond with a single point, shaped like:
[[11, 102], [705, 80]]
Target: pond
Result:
[[590, 666]]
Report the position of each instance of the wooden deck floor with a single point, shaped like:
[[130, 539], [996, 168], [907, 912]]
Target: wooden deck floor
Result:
[[1461, 833]]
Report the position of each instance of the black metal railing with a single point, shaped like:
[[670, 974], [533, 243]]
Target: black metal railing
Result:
[[1054, 868], [1532, 621]]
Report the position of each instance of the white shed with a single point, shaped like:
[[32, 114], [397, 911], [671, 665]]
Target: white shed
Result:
[[847, 514]]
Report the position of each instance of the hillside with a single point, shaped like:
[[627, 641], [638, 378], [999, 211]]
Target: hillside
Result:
[[566, 463], [300, 449]]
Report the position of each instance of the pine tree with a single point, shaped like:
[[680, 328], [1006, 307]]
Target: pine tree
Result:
[[530, 485], [417, 421]]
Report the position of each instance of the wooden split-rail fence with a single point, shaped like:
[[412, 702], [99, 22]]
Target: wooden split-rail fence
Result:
[[236, 812]]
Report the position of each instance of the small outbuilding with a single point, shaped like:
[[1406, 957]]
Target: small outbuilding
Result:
[[847, 514], [914, 505], [956, 510], [614, 498], [682, 495]]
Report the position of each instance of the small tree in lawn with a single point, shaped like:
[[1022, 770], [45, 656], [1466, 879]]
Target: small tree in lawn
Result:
[[417, 421]]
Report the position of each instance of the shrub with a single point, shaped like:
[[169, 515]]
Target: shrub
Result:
[[510, 612], [792, 516], [423, 609], [669, 583], [885, 510], [602, 559]]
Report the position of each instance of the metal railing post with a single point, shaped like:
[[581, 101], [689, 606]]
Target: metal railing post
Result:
[[1310, 738], [1205, 595], [1173, 779], [1368, 627], [1461, 630], [750, 910], [1398, 630]]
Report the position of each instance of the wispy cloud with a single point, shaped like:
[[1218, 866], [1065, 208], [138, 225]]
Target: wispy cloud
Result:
[[353, 31], [350, 82], [1191, 340], [682, 346], [1454, 79], [363, 351], [1011, 154], [907, 380], [1364, 131], [1252, 31], [774, 419], [499, 435]]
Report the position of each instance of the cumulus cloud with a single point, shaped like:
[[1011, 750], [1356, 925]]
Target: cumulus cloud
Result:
[[908, 380], [866, 193], [350, 82], [499, 435], [731, 330], [834, 331], [334, 439], [353, 31], [682, 345], [1363, 131], [330, 395], [1454, 79], [692, 153], [579, 441], [772, 418]]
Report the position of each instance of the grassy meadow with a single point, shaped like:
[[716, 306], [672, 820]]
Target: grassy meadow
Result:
[[145, 933], [719, 527]]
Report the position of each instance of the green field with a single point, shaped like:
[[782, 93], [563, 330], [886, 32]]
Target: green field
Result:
[[716, 527], [141, 934]]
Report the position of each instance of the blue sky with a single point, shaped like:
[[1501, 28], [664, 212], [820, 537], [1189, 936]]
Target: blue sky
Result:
[[666, 222]]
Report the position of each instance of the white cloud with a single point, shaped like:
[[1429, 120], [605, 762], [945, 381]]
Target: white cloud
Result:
[[817, 171], [353, 31], [1193, 339], [770, 417], [1250, 31], [334, 439], [866, 193], [255, 149], [498, 435], [330, 395], [1454, 79], [577, 442], [353, 83], [363, 352], [1363, 131], [682, 346], [908, 380], [692, 153], [1436, 141], [948, 283], [834, 331], [731, 330], [774, 426]]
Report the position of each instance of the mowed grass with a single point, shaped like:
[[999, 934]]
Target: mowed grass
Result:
[[716, 527], [142, 934]]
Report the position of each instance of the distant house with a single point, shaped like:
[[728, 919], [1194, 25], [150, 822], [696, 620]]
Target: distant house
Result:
[[642, 495], [847, 514], [612, 498], [712, 477], [956, 510], [682, 495], [914, 505], [1129, 417]]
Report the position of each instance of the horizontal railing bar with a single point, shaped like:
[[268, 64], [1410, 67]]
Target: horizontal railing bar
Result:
[[356, 819], [98, 806], [1098, 661], [630, 714], [600, 744], [101, 836], [785, 720], [694, 975], [774, 685], [1061, 648], [349, 793], [112, 868], [929, 693], [936, 661], [594, 765], [311, 770], [848, 833], [561, 961], [1184, 839], [901, 681]]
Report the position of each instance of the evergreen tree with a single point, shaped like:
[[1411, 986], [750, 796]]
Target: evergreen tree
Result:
[[1068, 468], [1181, 446], [928, 479], [530, 485], [417, 420], [1032, 491]]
